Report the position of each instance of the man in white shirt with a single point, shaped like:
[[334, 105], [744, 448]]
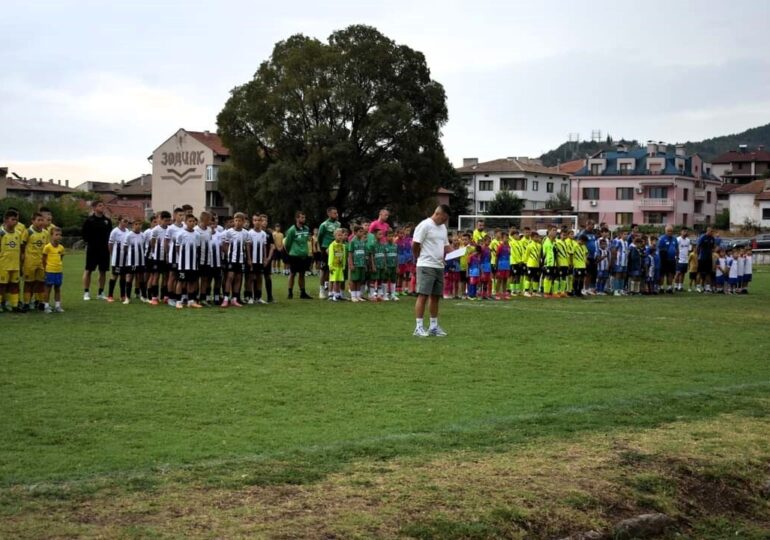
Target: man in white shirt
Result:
[[429, 245], [684, 248]]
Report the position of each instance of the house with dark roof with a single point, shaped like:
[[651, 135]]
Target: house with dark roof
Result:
[[750, 203], [526, 178], [3, 174], [653, 185], [185, 170], [36, 190], [742, 166]]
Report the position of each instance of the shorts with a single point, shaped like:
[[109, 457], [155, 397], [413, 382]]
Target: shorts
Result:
[[406, 268], [503, 274], [214, 272], [97, 258], [667, 267], [473, 281], [619, 269], [430, 281], [533, 272], [377, 275], [463, 276], [634, 273], [705, 267], [591, 267], [318, 256], [514, 270], [486, 277], [187, 276], [720, 280], [681, 268], [603, 274], [9, 276], [746, 278], [33, 272], [358, 274], [693, 275], [563, 271], [133, 270], [521, 268], [733, 281], [117, 270], [53, 279], [579, 272], [157, 267], [256, 269], [391, 275], [237, 268], [298, 265], [550, 272], [337, 275]]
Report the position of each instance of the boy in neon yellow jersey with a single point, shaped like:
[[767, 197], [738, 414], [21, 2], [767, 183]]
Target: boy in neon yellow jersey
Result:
[[579, 258], [517, 260], [549, 262], [562, 263], [571, 245], [532, 258]]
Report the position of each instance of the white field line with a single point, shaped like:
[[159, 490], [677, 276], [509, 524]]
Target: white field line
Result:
[[467, 427]]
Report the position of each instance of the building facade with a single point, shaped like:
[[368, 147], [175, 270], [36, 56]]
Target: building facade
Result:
[[527, 179], [742, 166], [185, 171], [651, 185], [750, 205], [35, 190]]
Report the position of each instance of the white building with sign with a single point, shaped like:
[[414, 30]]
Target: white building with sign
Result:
[[185, 171]]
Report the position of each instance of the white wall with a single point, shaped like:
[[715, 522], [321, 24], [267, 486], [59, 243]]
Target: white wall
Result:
[[741, 208], [534, 199], [179, 173]]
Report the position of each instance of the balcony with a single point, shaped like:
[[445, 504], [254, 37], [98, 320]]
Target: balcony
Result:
[[700, 194], [656, 204], [699, 218]]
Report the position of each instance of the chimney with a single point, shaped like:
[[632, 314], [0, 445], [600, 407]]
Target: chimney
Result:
[[50, 180], [742, 148], [680, 150], [470, 161], [662, 147], [67, 183], [59, 182], [206, 133], [760, 148], [122, 182], [652, 148], [622, 148]]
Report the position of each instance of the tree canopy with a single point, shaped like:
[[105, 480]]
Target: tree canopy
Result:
[[353, 123], [505, 203]]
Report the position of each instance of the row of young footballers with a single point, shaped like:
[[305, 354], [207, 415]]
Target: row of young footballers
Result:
[[186, 261], [524, 263]]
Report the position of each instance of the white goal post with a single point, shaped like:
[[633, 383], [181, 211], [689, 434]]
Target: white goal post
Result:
[[536, 223]]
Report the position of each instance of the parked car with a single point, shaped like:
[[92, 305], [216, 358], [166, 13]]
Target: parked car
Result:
[[761, 241], [731, 243]]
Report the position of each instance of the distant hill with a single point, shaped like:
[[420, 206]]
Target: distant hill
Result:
[[709, 148]]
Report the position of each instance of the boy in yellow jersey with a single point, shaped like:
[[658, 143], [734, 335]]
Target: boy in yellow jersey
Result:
[[562, 263], [337, 259], [53, 254], [532, 258], [34, 240], [514, 242], [571, 245], [550, 273], [10, 260], [465, 241], [493, 245], [579, 258]]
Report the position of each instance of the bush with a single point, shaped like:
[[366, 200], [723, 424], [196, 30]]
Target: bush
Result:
[[25, 208], [722, 220]]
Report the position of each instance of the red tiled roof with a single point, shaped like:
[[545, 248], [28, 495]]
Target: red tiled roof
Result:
[[509, 166], [14, 184], [131, 209], [570, 167], [764, 196], [752, 188], [735, 156], [444, 191], [211, 140]]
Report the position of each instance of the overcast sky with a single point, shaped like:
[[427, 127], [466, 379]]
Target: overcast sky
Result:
[[89, 89]]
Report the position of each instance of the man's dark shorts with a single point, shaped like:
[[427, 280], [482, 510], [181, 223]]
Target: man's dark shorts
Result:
[[97, 258], [299, 265]]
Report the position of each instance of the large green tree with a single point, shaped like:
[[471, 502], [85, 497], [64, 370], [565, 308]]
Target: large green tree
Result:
[[354, 123]]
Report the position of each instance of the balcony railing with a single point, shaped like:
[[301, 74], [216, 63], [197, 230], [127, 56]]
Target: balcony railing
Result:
[[699, 218], [655, 204], [700, 194]]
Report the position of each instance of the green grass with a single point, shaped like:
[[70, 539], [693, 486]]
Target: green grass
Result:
[[289, 393]]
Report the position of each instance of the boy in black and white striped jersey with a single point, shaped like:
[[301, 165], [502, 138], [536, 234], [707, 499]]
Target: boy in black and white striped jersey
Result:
[[236, 247], [170, 246], [258, 239], [204, 229], [156, 259], [187, 243], [133, 260]]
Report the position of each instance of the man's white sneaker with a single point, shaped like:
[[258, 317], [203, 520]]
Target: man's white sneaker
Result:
[[420, 332], [323, 294], [102, 297], [58, 309], [86, 296], [126, 301], [437, 331]]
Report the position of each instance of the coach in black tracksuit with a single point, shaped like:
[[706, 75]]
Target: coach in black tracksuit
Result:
[[96, 235]]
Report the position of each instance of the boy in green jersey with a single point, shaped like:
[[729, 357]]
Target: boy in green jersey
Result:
[[549, 262], [562, 263], [391, 266], [532, 260], [358, 263], [379, 265], [579, 258]]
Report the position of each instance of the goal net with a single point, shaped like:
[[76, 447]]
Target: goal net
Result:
[[535, 223]]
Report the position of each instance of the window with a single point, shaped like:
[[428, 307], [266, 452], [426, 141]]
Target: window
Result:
[[656, 218], [624, 193], [513, 184], [564, 188], [698, 207], [535, 185], [686, 194], [549, 187], [658, 193], [595, 168], [708, 197], [483, 206], [486, 185], [212, 173], [684, 220], [740, 166], [765, 213], [625, 168], [624, 218], [590, 193]]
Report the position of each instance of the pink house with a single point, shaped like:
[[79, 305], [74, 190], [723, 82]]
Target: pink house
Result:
[[645, 186]]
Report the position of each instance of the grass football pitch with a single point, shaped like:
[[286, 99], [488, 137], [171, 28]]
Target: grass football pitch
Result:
[[535, 418]]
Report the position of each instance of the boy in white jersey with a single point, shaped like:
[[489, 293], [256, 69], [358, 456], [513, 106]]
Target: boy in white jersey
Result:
[[256, 262], [173, 231], [187, 247], [133, 260], [204, 229], [217, 263], [236, 247], [683, 256], [731, 283], [748, 263], [115, 244], [721, 270], [156, 259]]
